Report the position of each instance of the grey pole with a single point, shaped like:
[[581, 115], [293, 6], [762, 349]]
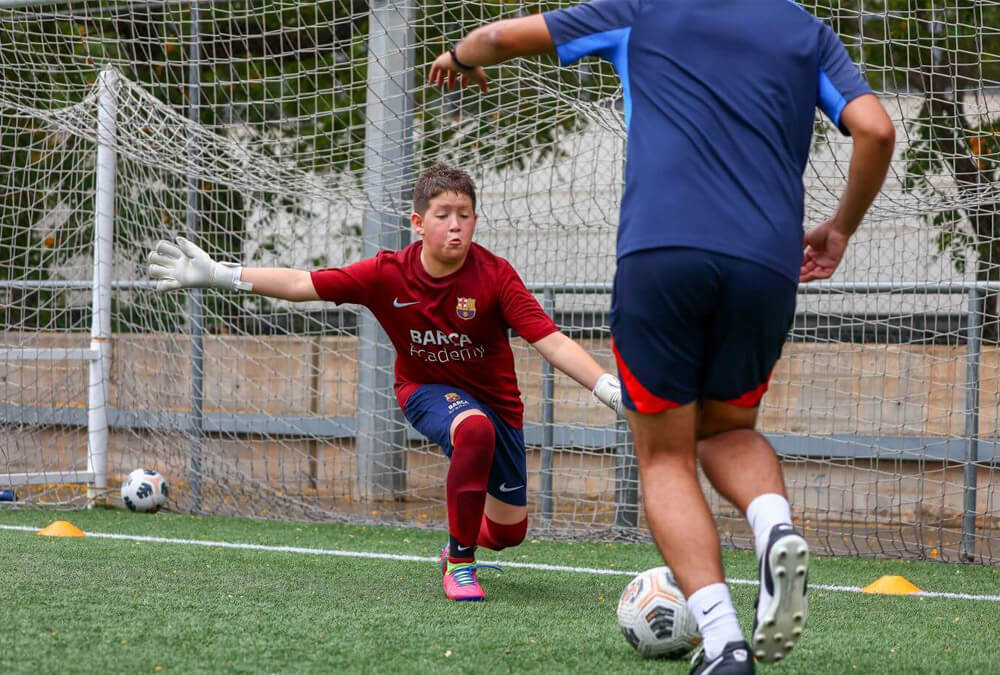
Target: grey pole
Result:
[[626, 479], [388, 180], [974, 340], [548, 422], [195, 300], [626, 469]]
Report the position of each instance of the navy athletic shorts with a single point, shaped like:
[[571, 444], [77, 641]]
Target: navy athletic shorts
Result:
[[431, 410], [694, 325]]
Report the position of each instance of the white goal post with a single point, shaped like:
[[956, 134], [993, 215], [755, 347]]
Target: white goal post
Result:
[[98, 355]]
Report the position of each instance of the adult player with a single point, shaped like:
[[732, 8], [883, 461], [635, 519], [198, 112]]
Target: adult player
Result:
[[719, 100], [446, 304]]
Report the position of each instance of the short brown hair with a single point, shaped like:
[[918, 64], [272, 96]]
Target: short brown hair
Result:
[[441, 178]]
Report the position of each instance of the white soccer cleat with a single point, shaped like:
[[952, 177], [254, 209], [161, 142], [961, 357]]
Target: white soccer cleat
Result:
[[781, 605]]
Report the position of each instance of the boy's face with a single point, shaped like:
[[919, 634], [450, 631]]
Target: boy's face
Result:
[[447, 227]]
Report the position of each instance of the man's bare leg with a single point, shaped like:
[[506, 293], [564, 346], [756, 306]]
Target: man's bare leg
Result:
[[681, 521], [743, 468]]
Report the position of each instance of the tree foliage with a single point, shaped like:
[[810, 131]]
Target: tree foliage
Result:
[[290, 79], [946, 54]]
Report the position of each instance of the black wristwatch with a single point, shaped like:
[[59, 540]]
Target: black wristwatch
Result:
[[458, 63]]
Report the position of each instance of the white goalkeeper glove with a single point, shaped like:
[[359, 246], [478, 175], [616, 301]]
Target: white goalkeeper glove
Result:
[[188, 266], [608, 391]]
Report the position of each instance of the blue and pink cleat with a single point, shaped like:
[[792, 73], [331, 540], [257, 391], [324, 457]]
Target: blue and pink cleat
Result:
[[460, 581]]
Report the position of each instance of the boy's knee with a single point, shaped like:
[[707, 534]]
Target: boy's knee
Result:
[[472, 428], [499, 536]]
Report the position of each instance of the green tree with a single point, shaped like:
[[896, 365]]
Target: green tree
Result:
[[288, 79], [947, 54]]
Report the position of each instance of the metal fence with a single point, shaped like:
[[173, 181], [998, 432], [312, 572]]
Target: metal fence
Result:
[[547, 435]]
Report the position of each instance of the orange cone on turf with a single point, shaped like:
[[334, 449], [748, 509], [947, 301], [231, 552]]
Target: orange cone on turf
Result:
[[61, 528], [891, 585]]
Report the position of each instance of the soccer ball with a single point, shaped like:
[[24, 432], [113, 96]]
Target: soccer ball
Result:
[[145, 490], [654, 617]]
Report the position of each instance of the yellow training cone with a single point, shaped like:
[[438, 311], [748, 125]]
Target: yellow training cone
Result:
[[891, 585], [61, 528]]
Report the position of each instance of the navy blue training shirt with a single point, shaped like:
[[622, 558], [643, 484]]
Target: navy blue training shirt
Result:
[[720, 97]]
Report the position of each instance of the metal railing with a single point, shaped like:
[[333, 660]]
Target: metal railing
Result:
[[549, 434], [976, 292]]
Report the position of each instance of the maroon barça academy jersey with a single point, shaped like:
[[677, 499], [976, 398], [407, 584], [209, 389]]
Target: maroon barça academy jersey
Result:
[[447, 330]]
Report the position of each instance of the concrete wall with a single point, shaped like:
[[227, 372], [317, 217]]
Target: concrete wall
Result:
[[816, 390]]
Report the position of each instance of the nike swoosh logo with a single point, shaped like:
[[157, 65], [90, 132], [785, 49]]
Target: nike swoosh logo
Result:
[[462, 548], [397, 303], [705, 612], [504, 488]]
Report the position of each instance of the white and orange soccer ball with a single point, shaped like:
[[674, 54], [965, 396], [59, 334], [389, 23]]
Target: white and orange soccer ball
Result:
[[654, 616], [145, 490]]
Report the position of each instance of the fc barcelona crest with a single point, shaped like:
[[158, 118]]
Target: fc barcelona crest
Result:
[[466, 308]]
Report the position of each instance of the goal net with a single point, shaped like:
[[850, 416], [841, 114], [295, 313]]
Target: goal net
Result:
[[289, 134]]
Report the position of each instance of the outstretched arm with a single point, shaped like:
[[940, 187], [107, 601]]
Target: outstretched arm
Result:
[[186, 265], [488, 45], [281, 282], [568, 356]]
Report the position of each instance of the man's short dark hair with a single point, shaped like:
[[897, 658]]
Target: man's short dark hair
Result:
[[441, 178]]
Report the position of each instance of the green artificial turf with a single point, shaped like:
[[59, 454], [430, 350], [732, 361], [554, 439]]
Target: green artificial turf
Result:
[[109, 605]]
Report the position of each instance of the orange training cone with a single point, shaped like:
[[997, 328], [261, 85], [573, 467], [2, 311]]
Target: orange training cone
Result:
[[61, 528], [891, 585]]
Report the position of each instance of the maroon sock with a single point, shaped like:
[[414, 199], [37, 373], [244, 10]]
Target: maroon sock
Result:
[[496, 536], [468, 477]]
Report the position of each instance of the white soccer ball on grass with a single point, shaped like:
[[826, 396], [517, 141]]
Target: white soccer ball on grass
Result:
[[654, 617], [145, 490]]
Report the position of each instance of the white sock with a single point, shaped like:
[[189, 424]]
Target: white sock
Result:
[[713, 610], [765, 512]]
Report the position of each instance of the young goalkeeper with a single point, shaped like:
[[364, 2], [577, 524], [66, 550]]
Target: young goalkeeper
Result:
[[446, 304]]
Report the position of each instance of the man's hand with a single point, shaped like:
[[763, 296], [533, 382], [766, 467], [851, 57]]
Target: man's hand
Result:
[[824, 248], [444, 71], [608, 391], [187, 266]]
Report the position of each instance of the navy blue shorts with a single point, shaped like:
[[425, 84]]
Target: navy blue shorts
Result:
[[431, 410], [693, 325]]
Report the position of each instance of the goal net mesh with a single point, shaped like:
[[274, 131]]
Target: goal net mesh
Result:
[[275, 133]]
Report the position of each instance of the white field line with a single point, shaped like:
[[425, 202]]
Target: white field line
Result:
[[416, 558]]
